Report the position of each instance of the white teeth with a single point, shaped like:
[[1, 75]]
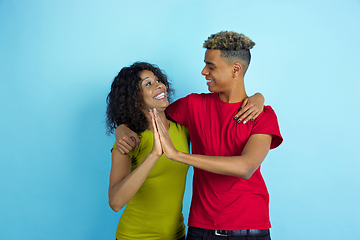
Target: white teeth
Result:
[[161, 95], [208, 80]]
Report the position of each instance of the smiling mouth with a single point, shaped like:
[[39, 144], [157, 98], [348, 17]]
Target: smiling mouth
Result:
[[160, 96], [209, 81]]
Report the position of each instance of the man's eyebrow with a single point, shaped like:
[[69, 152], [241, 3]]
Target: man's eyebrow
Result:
[[211, 63]]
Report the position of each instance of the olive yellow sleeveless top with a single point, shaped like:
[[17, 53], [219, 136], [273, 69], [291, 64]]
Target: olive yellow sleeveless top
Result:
[[155, 212]]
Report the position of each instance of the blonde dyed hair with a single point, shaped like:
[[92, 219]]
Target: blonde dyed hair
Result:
[[233, 46], [228, 40]]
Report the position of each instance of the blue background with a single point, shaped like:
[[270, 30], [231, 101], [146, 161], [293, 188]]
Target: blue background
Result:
[[58, 59]]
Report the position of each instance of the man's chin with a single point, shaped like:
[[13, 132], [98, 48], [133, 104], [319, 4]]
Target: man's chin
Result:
[[211, 89]]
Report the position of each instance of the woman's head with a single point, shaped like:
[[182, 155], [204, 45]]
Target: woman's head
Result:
[[125, 101], [153, 92]]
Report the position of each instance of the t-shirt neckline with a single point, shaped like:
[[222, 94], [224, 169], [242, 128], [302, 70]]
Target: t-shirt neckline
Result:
[[217, 98]]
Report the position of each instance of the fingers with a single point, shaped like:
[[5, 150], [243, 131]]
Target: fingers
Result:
[[157, 149], [242, 114], [247, 113], [160, 127], [166, 142], [156, 121], [159, 122], [244, 103], [242, 109], [125, 138], [153, 120], [125, 144], [239, 113], [135, 138], [250, 109], [250, 116]]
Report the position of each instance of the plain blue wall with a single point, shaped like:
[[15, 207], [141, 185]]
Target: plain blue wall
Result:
[[58, 59]]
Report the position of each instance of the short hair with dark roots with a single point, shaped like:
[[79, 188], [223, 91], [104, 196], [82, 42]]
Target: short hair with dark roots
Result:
[[233, 46], [124, 102]]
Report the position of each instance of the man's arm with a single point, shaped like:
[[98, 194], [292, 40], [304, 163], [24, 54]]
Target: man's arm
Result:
[[126, 139], [242, 166], [254, 153]]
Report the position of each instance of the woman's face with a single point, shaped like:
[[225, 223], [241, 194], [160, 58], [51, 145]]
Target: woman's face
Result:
[[153, 92]]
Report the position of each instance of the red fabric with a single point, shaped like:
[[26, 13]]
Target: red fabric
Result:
[[222, 202]]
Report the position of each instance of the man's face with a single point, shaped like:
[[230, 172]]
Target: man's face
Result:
[[217, 72]]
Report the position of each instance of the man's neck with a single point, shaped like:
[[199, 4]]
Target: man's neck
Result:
[[235, 94]]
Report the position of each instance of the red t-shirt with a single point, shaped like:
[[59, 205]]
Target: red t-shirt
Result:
[[221, 202]]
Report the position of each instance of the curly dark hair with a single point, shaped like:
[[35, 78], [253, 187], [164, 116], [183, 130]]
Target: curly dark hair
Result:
[[232, 45], [124, 100]]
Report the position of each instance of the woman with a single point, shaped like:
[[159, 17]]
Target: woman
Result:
[[151, 185]]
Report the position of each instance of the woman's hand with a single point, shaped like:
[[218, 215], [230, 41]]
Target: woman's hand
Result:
[[250, 109], [166, 142], [157, 150]]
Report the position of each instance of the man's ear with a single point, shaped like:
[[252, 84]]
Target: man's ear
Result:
[[237, 69]]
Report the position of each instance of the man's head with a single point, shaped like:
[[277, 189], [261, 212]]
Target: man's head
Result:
[[226, 60], [234, 47]]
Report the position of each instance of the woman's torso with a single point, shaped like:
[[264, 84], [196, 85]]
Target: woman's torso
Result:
[[155, 212]]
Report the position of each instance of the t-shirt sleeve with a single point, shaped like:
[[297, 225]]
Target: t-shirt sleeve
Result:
[[131, 153], [267, 123], [179, 111], [113, 147]]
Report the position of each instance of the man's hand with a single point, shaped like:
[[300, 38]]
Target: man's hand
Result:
[[166, 142], [250, 109], [157, 150], [126, 139]]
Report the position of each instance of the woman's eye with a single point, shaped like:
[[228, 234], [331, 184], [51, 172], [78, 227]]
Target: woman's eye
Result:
[[148, 84]]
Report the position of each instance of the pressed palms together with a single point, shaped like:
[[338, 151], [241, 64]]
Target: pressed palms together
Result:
[[162, 140]]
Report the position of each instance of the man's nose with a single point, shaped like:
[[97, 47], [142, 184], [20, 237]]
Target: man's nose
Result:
[[204, 71]]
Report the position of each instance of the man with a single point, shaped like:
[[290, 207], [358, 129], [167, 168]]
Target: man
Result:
[[230, 198]]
